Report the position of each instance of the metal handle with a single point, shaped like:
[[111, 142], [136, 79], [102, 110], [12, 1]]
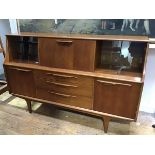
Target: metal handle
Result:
[[61, 84], [114, 83], [61, 75], [23, 70], [60, 94]]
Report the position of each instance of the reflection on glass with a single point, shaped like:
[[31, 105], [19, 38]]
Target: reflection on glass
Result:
[[122, 55], [27, 49]]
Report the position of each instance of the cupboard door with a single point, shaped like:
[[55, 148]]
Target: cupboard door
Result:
[[117, 98], [67, 53], [20, 81], [84, 55], [63, 56], [46, 51], [56, 53]]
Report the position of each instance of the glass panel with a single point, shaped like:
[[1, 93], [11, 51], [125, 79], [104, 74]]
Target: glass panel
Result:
[[121, 55], [25, 49]]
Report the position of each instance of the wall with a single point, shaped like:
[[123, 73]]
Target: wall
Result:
[[4, 29], [148, 95], [13, 25]]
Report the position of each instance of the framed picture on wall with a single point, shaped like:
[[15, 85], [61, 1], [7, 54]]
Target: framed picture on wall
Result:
[[144, 27]]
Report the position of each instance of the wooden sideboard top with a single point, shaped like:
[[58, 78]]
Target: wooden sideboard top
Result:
[[132, 77], [84, 36]]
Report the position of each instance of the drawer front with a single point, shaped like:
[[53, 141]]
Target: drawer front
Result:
[[68, 99], [65, 83], [57, 77]]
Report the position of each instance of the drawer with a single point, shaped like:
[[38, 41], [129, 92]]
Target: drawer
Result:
[[57, 77], [65, 83], [68, 99], [62, 77]]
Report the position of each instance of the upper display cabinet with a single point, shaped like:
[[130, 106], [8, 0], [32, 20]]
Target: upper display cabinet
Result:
[[121, 56], [23, 49]]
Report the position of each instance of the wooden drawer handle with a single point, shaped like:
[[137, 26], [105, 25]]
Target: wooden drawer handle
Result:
[[22, 70], [64, 41], [61, 84], [106, 82], [61, 75], [62, 95], [114, 83]]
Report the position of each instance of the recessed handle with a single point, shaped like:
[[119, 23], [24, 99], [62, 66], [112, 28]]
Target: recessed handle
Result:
[[106, 82], [114, 83], [60, 94], [61, 75], [61, 84], [22, 70]]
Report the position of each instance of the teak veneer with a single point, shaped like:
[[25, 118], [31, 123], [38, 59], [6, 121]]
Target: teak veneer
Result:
[[71, 71]]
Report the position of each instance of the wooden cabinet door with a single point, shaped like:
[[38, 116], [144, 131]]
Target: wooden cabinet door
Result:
[[46, 51], [56, 53], [20, 81], [67, 53], [84, 55], [117, 98]]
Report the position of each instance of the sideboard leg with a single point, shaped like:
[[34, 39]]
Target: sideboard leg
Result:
[[106, 120], [29, 106]]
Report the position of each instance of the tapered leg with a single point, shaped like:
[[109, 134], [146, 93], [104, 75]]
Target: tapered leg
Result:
[[106, 120], [29, 106]]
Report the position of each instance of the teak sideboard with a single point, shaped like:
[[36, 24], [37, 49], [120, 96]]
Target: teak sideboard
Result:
[[102, 75]]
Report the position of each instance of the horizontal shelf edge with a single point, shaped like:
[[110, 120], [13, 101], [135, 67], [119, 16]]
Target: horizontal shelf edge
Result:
[[84, 36], [76, 72]]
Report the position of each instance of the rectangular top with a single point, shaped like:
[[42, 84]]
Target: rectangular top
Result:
[[130, 78], [84, 36]]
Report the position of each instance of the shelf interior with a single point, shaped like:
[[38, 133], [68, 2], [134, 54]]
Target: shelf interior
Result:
[[122, 56], [23, 49]]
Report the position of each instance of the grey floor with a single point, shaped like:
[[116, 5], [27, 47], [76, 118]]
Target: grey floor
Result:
[[49, 120]]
